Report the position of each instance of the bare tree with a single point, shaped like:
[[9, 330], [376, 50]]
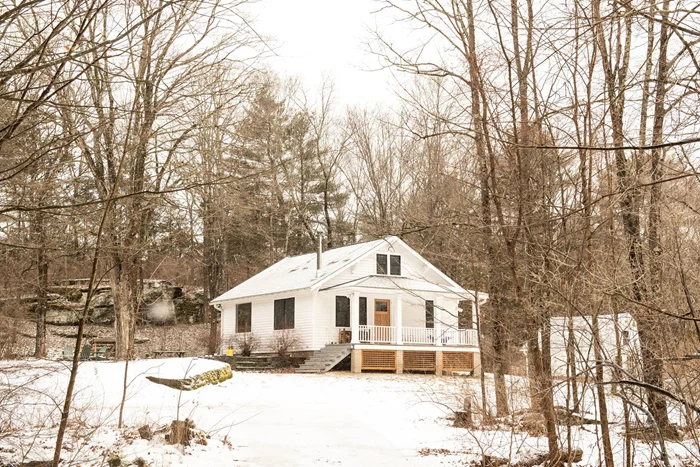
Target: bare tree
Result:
[[138, 97]]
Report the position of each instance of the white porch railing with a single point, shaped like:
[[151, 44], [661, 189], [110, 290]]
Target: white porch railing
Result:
[[378, 334], [420, 336], [465, 337]]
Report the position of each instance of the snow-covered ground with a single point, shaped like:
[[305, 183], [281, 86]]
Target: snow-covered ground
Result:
[[262, 419]]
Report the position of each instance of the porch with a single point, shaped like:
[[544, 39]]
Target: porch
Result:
[[388, 311], [399, 324], [413, 349], [416, 336], [410, 336]]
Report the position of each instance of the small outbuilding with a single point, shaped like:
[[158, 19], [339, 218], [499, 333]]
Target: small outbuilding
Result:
[[618, 336]]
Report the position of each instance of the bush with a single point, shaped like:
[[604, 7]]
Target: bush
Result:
[[283, 342], [246, 343]]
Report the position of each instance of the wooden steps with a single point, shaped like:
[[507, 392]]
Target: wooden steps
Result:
[[325, 359]]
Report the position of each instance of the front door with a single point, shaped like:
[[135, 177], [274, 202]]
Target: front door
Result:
[[381, 312]]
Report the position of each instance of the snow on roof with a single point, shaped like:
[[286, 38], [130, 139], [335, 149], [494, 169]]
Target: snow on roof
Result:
[[299, 272], [402, 283]]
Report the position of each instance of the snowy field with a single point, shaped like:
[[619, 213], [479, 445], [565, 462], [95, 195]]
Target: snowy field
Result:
[[263, 419]]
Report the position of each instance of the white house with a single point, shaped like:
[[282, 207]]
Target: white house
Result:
[[379, 300]]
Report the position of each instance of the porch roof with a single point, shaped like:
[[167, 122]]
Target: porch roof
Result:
[[403, 283]]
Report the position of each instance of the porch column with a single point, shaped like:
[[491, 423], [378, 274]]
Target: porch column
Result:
[[354, 318], [398, 321], [356, 361], [437, 316], [477, 364], [474, 317]]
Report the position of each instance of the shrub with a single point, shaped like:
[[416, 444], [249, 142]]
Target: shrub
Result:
[[246, 343], [283, 342]]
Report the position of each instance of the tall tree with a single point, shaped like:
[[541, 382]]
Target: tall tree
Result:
[[125, 118]]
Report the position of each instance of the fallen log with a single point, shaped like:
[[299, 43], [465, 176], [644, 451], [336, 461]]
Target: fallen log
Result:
[[191, 383]]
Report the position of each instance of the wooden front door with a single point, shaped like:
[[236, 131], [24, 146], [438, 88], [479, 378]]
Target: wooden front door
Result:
[[382, 308]]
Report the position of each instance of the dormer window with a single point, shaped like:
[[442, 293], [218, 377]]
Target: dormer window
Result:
[[381, 264], [389, 264], [395, 265]]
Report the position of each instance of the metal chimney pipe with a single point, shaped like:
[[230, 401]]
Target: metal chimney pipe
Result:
[[319, 253]]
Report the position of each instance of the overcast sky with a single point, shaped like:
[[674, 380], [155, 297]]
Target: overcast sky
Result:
[[326, 37]]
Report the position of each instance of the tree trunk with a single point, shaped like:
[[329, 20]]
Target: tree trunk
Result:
[[500, 342], [543, 397], [213, 270], [602, 402], [571, 363], [630, 200], [651, 326], [124, 284], [42, 288]]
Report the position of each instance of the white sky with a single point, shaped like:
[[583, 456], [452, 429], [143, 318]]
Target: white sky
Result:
[[326, 37]]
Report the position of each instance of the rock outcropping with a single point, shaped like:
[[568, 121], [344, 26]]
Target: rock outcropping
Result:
[[163, 303]]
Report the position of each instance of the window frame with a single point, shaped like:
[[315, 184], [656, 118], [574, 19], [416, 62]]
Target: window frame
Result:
[[386, 264], [286, 312], [346, 301], [361, 301], [430, 314], [238, 317], [391, 269]]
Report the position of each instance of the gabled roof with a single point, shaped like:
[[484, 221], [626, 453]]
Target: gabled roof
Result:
[[299, 272]]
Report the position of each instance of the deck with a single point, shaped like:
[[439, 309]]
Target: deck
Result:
[[399, 349], [417, 336]]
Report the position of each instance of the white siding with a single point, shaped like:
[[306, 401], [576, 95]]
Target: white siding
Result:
[[583, 347], [410, 267], [326, 332], [413, 311], [262, 320]]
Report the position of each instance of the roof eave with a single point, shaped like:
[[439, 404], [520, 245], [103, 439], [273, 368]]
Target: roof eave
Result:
[[220, 300]]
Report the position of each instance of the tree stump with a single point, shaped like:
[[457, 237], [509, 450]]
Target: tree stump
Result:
[[463, 419], [181, 432], [145, 432]]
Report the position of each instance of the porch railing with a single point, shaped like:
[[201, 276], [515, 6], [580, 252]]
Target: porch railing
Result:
[[418, 335], [378, 334], [467, 337], [425, 336]]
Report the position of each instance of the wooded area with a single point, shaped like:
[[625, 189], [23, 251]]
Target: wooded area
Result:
[[543, 152]]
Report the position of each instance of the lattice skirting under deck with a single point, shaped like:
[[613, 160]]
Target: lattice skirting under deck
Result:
[[378, 360], [457, 361], [418, 361]]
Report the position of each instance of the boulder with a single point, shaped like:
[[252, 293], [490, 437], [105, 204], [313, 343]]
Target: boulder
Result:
[[189, 304]]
